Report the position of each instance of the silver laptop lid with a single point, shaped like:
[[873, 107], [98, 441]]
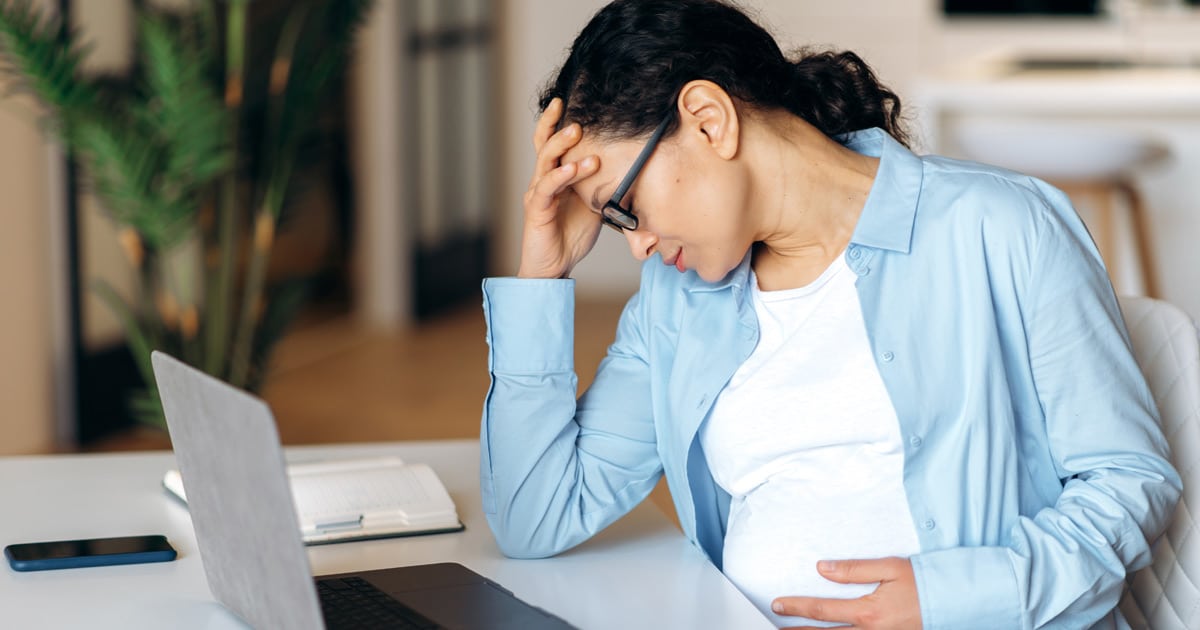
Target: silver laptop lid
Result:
[[235, 477]]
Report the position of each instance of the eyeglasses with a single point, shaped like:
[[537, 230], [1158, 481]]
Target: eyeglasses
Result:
[[616, 216]]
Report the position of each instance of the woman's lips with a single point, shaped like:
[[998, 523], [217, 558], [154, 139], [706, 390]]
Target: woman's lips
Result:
[[676, 262]]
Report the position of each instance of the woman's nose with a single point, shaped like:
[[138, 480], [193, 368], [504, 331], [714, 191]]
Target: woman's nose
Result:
[[641, 243]]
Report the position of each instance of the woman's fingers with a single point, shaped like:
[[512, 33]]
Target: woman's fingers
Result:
[[546, 189], [546, 124], [557, 224], [555, 147]]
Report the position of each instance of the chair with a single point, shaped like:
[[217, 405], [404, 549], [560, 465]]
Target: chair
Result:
[[1166, 594], [1093, 164]]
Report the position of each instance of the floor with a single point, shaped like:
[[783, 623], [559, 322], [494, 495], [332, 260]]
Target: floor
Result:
[[334, 381]]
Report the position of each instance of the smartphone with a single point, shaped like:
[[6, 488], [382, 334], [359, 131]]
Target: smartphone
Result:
[[94, 552]]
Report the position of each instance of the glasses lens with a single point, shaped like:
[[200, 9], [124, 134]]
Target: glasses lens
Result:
[[619, 217], [609, 222]]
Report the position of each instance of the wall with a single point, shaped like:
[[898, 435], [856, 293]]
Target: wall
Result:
[[26, 422], [35, 385]]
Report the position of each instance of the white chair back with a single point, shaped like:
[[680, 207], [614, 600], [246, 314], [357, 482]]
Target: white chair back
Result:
[[1166, 594]]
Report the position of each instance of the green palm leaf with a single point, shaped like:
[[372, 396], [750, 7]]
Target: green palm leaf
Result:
[[159, 145], [318, 57], [188, 117], [44, 58]]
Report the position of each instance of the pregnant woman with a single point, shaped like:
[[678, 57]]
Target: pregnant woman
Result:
[[886, 390]]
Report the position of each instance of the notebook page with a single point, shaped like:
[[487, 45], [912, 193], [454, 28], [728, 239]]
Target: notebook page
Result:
[[343, 465], [409, 493]]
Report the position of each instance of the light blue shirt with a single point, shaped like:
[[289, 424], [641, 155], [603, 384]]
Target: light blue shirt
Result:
[[1035, 470]]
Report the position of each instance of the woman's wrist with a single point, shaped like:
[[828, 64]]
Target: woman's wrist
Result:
[[542, 273], [539, 276]]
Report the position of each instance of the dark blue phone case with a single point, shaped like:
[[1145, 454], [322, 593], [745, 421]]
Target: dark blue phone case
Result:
[[48, 564]]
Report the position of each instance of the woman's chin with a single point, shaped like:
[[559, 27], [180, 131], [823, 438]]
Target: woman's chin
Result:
[[715, 273], [708, 276]]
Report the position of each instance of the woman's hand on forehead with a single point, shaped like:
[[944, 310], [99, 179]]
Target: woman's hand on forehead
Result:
[[559, 229]]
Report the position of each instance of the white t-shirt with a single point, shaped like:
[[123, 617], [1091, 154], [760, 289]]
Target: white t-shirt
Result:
[[806, 441]]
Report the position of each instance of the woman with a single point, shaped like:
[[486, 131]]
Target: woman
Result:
[[886, 390]]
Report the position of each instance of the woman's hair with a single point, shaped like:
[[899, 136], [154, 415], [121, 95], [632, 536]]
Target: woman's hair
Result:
[[629, 63]]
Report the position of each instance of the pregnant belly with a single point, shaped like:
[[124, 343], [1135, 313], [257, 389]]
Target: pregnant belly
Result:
[[779, 532]]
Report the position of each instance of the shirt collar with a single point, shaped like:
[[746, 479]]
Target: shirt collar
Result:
[[887, 218]]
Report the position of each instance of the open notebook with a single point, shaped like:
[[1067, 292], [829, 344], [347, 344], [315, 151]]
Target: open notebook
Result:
[[362, 498]]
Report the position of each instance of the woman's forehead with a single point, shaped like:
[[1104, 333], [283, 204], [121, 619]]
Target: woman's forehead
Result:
[[615, 158], [590, 144]]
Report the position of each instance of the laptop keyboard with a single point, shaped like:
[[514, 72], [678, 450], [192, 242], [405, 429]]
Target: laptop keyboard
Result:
[[354, 603]]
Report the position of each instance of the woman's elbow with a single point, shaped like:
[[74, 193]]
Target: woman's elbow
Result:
[[523, 541]]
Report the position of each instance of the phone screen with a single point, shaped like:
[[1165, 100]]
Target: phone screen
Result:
[[87, 548]]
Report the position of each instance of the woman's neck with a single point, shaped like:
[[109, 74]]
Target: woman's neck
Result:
[[809, 193]]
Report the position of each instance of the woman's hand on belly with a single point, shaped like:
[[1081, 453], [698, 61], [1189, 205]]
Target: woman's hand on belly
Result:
[[893, 605]]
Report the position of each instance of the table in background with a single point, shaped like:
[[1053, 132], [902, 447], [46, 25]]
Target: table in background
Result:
[[1160, 100]]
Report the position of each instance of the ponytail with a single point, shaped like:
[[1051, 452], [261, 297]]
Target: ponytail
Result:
[[837, 92]]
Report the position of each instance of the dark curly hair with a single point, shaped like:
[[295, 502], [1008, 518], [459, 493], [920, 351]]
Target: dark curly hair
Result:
[[627, 66]]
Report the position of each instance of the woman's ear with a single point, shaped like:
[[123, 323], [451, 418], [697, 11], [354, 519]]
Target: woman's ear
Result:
[[708, 110]]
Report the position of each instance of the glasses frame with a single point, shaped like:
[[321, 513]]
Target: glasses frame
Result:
[[616, 216]]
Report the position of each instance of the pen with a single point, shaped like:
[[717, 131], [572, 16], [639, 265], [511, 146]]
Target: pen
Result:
[[337, 521]]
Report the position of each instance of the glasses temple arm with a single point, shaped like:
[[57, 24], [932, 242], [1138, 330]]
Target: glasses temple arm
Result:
[[623, 188]]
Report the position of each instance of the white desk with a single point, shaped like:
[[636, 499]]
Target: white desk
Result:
[[640, 573]]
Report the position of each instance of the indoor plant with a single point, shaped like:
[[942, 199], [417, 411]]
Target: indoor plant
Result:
[[196, 179]]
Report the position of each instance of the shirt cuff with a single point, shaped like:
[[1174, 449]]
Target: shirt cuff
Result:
[[967, 587], [531, 324]]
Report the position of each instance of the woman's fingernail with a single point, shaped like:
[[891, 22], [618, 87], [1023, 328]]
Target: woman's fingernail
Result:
[[777, 607], [827, 566], [588, 162]]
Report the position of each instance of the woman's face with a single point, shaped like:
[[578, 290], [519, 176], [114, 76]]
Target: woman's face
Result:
[[690, 204]]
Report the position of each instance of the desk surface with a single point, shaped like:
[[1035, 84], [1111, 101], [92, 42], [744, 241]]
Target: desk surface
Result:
[[639, 573]]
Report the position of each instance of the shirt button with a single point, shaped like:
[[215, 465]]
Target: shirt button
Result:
[[866, 271], [888, 356], [929, 524], [915, 441], [854, 253]]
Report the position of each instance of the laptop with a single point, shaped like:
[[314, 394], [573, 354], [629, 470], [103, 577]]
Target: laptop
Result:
[[234, 471]]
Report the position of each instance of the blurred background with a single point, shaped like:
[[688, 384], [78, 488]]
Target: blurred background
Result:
[[414, 195]]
